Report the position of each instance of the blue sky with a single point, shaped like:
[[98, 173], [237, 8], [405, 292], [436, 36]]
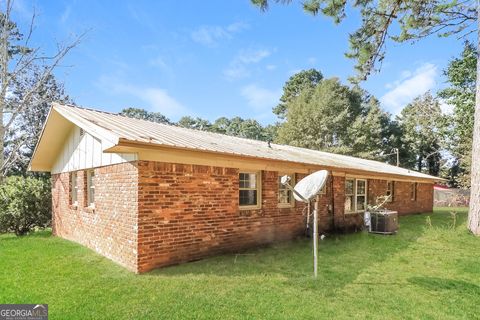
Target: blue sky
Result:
[[215, 58]]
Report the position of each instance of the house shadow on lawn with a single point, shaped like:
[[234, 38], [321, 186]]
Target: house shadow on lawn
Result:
[[435, 284], [341, 257]]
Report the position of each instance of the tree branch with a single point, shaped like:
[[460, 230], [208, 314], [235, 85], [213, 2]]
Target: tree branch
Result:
[[47, 72]]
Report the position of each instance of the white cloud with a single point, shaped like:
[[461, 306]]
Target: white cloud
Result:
[[160, 100], [252, 56], [271, 67], [66, 14], [260, 98], [158, 62], [408, 86], [156, 99], [238, 67], [238, 26], [210, 36], [312, 60], [236, 71]]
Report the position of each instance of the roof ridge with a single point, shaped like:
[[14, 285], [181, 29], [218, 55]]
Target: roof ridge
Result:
[[174, 125]]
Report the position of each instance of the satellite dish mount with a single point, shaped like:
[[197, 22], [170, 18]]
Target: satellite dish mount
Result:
[[306, 190]]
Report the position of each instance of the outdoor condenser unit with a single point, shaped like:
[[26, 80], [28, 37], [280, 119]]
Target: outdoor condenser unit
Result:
[[384, 222]]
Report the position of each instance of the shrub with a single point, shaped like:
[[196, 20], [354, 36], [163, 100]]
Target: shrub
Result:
[[25, 204]]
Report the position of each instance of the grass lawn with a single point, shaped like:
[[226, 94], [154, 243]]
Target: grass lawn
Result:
[[429, 270]]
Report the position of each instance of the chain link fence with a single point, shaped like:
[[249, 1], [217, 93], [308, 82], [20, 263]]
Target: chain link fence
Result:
[[451, 197]]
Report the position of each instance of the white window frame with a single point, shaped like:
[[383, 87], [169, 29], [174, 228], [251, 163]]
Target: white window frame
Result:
[[73, 189], [356, 195], [291, 201], [90, 188], [258, 181], [390, 191]]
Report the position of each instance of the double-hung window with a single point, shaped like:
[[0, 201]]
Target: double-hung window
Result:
[[350, 195], [91, 188], [285, 195], [249, 190], [390, 191], [73, 189], [355, 195]]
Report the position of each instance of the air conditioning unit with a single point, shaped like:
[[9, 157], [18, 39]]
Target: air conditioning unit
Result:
[[384, 222]]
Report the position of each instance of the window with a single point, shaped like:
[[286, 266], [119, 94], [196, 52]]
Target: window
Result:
[[355, 195], [73, 189], [361, 204], [285, 195], [349, 195], [249, 196], [90, 188], [390, 191], [413, 191]]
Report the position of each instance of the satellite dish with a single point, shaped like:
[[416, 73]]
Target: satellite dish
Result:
[[305, 190], [310, 186]]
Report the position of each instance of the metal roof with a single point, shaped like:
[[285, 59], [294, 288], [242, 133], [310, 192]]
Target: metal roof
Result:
[[115, 127]]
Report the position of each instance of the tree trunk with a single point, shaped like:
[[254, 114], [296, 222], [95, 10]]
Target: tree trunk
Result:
[[2, 142], [419, 163], [4, 84], [474, 213]]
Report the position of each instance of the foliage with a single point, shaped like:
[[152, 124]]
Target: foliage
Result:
[[336, 118], [371, 133], [423, 128], [461, 74], [25, 204], [422, 269], [194, 123], [22, 139], [143, 114], [236, 126], [300, 81], [317, 118], [244, 128]]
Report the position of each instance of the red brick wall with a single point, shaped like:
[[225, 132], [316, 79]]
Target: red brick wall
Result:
[[331, 213], [402, 201], [187, 212], [111, 228]]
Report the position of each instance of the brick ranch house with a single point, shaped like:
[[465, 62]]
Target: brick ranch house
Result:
[[147, 195]]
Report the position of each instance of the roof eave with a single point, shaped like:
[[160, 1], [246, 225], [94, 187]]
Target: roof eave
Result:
[[42, 161], [128, 146]]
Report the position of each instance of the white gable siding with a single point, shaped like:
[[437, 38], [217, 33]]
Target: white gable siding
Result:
[[85, 151]]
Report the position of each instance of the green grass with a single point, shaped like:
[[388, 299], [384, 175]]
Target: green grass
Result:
[[426, 271]]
